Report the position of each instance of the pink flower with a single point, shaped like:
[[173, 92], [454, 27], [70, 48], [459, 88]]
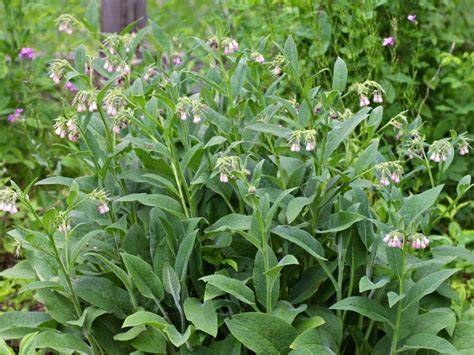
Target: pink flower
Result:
[[224, 178], [363, 101], [197, 118], [177, 60], [411, 18], [27, 53], [309, 146], [16, 116], [389, 41], [395, 178], [378, 97], [295, 147], [393, 240], [384, 180], [463, 150], [70, 86], [116, 129], [103, 208]]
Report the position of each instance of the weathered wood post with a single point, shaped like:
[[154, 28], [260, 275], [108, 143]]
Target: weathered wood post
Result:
[[115, 15]]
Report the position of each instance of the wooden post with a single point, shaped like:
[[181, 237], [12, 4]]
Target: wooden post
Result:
[[115, 15]]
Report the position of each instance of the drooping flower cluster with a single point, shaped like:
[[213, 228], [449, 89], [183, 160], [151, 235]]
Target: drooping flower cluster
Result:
[[277, 65], [15, 116], [100, 196], [308, 136], [8, 200], [227, 166], [66, 23], [419, 241], [230, 45], [257, 57], [394, 239], [187, 106], [149, 74], [56, 70], [364, 90], [439, 150], [389, 171], [27, 53], [62, 221], [85, 101], [463, 145], [415, 144], [122, 120], [114, 102], [70, 86], [66, 127]]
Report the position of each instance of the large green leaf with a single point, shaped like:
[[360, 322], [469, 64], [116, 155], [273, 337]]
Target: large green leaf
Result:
[[232, 222], [143, 277], [202, 315], [235, 287], [414, 206], [365, 306], [262, 333], [301, 238], [430, 342], [339, 75], [145, 318], [341, 221], [61, 342], [164, 202]]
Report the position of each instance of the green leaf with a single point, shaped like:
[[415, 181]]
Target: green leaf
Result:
[[365, 306], [80, 59], [430, 342], [56, 180], [137, 87], [262, 333], [291, 55], [340, 133], [301, 238], [394, 298], [285, 261], [281, 132], [366, 285], [202, 315], [414, 206], [175, 337], [145, 318], [238, 76], [130, 334], [314, 342], [462, 338], [339, 75], [171, 282], [232, 222], [428, 284], [184, 252], [17, 319], [161, 37], [103, 293], [92, 15], [236, 288], [296, 205], [463, 185], [375, 117], [151, 341], [433, 321], [61, 342], [143, 277], [341, 221], [164, 202]]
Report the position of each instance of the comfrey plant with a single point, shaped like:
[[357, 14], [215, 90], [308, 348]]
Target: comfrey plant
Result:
[[204, 226]]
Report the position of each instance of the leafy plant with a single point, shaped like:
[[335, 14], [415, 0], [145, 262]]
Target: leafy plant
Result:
[[224, 214]]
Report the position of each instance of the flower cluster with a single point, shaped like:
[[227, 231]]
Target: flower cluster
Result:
[[15, 116], [62, 221], [389, 171], [85, 100], [187, 106], [439, 150], [8, 200], [309, 137], [277, 65], [463, 145], [66, 127], [230, 45], [100, 196], [394, 239], [365, 89], [114, 102], [149, 74], [228, 165], [257, 57], [419, 241], [56, 70], [177, 59], [122, 120], [26, 53], [70, 86], [66, 23]]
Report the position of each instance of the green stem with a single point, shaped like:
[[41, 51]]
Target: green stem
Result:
[[396, 330]]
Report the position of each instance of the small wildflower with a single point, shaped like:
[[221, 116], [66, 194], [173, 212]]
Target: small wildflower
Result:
[[8, 201], [378, 97], [389, 41], [102, 200], [103, 208], [230, 45], [439, 150], [212, 42], [411, 18], [196, 118], [177, 60], [70, 87], [123, 69], [317, 109], [114, 102], [252, 189], [295, 147], [65, 23], [56, 70], [419, 241], [224, 178], [257, 57], [394, 239], [227, 165], [15, 116], [389, 171], [363, 101], [27, 53], [150, 73]]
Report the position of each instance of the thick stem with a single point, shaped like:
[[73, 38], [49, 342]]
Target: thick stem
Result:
[[396, 330]]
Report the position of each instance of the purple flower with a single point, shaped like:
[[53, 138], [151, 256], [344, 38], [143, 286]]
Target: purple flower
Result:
[[26, 53], [389, 41], [411, 18], [15, 116], [177, 60], [70, 86]]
